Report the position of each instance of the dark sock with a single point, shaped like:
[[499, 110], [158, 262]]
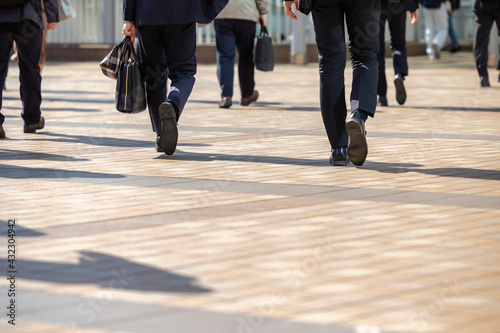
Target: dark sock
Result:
[[364, 115], [176, 110]]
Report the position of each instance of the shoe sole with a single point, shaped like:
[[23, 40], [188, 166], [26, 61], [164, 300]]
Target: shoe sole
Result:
[[169, 132], [400, 91], [338, 163], [358, 147]]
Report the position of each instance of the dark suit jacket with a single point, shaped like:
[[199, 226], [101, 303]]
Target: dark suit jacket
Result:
[[487, 4], [455, 4], [410, 5], [160, 12], [32, 11]]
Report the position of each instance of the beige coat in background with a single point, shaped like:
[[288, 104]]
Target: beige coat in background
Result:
[[244, 10]]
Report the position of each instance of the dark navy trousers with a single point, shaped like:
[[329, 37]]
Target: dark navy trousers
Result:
[[232, 34], [362, 18], [28, 39], [167, 52], [395, 16]]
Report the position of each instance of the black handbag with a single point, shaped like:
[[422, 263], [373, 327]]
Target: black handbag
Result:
[[264, 53], [12, 3], [130, 87]]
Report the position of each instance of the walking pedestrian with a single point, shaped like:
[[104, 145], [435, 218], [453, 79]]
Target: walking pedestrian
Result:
[[23, 24], [436, 26], [235, 29], [394, 12], [167, 45], [486, 12], [455, 46], [347, 139]]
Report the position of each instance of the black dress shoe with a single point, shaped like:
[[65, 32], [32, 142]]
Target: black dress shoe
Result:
[[34, 127], [357, 148], [2, 132], [455, 48], [382, 101], [225, 103], [400, 89], [339, 157], [485, 82], [169, 132], [158, 148]]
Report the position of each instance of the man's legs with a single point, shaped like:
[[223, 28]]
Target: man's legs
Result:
[[245, 37], [496, 16], [155, 70], [29, 44], [180, 51], [5, 47], [397, 27], [328, 19], [484, 21], [225, 43], [429, 31], [382, 81], [362, 18], [43, 53], [441, 27]]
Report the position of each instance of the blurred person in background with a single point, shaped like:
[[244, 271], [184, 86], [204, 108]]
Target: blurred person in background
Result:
[[436, 25], [235, 29], [486, 12], [455, 46], [24, 24], [394, 12]]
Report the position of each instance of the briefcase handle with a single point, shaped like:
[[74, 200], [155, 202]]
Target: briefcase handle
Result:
[[129, 52]]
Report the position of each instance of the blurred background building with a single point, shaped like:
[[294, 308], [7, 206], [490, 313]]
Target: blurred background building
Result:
[[98, 25]]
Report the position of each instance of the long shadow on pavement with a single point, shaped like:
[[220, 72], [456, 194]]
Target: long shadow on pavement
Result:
[[109, 272], [456, 108], [9, 155], [443, 172], [207, 157], [18, 172]]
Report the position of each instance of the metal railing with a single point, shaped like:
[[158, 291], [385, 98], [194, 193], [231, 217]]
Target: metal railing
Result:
[[100, 22]]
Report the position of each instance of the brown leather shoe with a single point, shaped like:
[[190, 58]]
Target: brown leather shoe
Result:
[[247, 100], [225, 103], [2, 133], [34, 127]]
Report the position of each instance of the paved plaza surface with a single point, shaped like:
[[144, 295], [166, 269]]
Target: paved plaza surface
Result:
[[247, 228]]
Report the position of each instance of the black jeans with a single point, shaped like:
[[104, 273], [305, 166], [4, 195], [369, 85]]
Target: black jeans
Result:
[[362, 17], [28, 39], [484, 22], [395, 15]]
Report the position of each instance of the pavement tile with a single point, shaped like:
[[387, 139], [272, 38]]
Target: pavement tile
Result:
[[247, 227]]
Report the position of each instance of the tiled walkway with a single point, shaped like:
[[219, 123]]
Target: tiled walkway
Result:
[[247, 228]]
